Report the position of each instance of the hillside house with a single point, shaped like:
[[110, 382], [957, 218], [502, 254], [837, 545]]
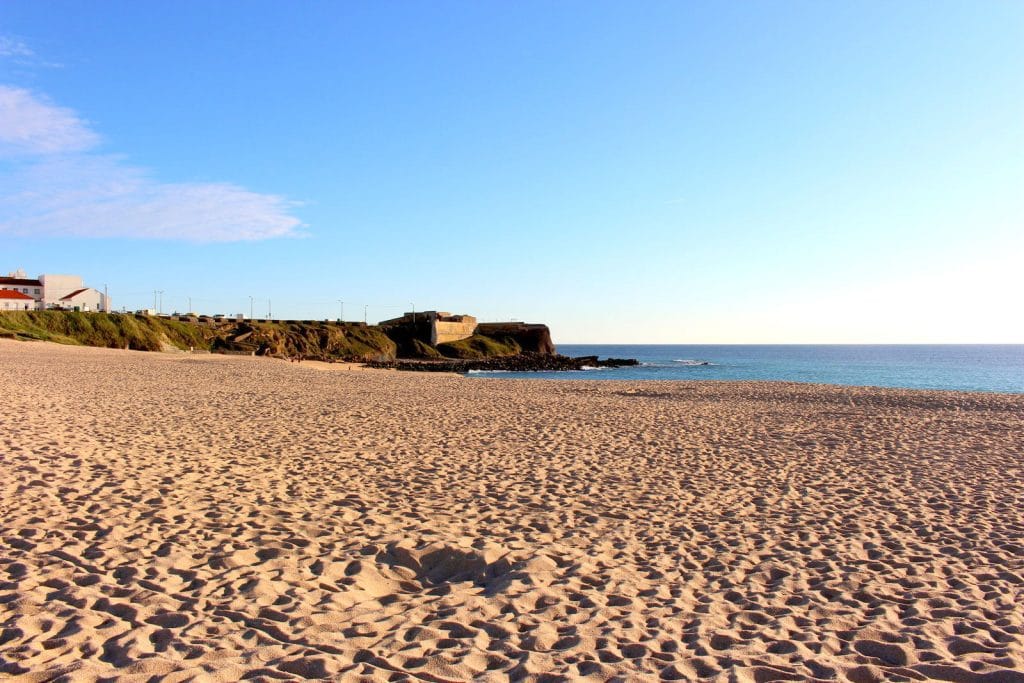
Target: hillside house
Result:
[[11, 300], [54, 291]]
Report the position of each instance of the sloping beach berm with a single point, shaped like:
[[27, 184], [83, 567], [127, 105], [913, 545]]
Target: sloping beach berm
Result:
[[177, 517]]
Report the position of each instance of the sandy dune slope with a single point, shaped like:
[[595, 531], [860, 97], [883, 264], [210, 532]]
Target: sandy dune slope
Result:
[[173, 517]]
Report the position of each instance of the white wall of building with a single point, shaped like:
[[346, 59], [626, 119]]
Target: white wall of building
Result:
[[34, 291], [49, 291], [85, 300], [17, 304], [56, 287]]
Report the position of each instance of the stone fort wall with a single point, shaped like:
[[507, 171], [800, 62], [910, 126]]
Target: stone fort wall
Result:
[[443, 331]]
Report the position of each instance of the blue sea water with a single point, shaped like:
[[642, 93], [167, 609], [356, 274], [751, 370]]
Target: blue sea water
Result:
[[975, 367]]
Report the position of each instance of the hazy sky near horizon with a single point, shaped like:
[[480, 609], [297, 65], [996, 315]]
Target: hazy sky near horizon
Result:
[[663, 172]]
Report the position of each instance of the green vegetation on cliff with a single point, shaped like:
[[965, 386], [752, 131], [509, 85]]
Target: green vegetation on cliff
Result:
[[112, 330], [425, 350], [479, 346], [309, 339], [149, 333]]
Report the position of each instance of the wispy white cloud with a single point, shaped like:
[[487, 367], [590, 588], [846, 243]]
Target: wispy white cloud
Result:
[[31, 125], [18, 52], [56, 184], [14, 47]]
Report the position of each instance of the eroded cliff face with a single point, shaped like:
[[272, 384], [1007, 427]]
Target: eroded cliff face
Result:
[[357, 342], [531, 338], [287, 339], [325, 341], [489, 340]]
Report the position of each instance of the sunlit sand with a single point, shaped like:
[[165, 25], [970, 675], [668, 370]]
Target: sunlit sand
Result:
[[218, 518]]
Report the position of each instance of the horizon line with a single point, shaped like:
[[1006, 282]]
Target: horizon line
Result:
[[1019, 343]]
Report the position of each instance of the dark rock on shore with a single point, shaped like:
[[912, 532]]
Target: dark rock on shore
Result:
[[593, 362], [525, 362]]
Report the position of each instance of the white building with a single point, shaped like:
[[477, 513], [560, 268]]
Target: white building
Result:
[[11, 300], [55, 291], [19, 282], [84, 299]]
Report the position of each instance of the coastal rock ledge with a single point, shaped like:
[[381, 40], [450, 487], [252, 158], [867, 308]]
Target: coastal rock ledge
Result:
[[524, 362]]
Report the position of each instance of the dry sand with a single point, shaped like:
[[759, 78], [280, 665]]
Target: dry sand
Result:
[[211, 518]]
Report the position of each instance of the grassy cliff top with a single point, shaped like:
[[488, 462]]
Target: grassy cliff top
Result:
[[151, 333], [479, 346], [310, 339], [111, 330]]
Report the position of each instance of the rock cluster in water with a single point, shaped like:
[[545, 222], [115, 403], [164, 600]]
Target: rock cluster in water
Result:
[[525, 362]]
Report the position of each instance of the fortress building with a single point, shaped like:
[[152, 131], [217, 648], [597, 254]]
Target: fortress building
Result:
[[444, 327]]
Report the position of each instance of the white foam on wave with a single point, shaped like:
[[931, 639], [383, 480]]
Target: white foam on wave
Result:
[[691, 361]]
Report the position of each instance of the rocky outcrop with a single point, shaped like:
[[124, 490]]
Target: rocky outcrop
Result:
[[311, 340], [479, 347], [531, 338], [413, 337], [526, 362]]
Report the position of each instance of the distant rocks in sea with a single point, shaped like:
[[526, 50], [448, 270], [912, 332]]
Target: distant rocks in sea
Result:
[[525, 362]]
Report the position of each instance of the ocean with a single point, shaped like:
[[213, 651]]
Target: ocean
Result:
[[968, 367]]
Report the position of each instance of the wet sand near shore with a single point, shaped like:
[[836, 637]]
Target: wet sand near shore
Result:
[[171, 517]]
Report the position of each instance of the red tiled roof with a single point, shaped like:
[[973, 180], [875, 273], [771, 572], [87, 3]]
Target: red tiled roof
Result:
[[73, 294], [11, 294], [20, 281]]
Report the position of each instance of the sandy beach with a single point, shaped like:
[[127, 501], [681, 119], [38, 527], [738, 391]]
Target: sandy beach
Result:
[[170, 517]]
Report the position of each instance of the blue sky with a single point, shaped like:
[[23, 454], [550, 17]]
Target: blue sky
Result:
[[663, 172]]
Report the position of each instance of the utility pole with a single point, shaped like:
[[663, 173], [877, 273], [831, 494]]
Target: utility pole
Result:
[[154, 298], [106, 300], [413, 313], [364, 313], [269, 316], [158, 300], [250, 308], [342, 314], [189, 311]]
